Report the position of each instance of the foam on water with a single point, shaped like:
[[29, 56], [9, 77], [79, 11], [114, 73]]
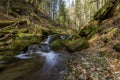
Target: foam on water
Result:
[[22, 56], [50, 58], [48, 39], [53, 63]]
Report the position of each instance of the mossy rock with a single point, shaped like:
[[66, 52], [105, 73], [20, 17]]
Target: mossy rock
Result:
[[76, 45], [55, 37], [88, 31], [85, 31], [29, 36], [8, 53], [58, 44], [117, 47], [18, 45], [46, 32], [62, 36]]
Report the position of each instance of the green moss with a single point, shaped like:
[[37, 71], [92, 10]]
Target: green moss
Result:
[[18, 45], [7, 53], [56, 37], [104, 54], [117, 47], [58, 44], [76, 45], [85, 31], [105, 40], [21, 44], [100, 61], [89, 31]]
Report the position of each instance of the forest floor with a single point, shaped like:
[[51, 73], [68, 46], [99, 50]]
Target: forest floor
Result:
[[100, 61]]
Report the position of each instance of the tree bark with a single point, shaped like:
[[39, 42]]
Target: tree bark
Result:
[[107, 10], [7, 23]]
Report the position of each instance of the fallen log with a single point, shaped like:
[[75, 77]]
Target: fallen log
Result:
[[5, 36], [4, 28], [107, 10], [7, 23]]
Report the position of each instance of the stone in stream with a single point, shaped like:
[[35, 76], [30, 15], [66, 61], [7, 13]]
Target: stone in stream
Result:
[[81, 77], [45, 47]]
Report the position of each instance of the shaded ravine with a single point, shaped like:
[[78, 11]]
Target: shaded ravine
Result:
[[38, 62]]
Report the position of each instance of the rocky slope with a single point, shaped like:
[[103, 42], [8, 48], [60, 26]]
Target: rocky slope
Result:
[[101, 61], [21, 26]]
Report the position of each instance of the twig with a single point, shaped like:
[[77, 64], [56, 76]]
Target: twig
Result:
[[4, 37], [8, 26]]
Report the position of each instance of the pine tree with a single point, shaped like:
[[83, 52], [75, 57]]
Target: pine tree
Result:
[[62, 12]]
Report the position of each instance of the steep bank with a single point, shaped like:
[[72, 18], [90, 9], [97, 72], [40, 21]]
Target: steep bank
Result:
[[101, 61], [22, 24]]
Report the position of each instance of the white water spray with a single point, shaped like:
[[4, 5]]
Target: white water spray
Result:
[[51, 58], [44, 51], [53, 64], [47, 41]]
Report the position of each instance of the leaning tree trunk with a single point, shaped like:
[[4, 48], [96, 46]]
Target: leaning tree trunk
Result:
[[107, 10]]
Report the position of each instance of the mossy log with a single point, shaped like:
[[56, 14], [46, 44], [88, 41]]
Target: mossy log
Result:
[[5, 36], [7, 23], [89, 31], [107, 10]]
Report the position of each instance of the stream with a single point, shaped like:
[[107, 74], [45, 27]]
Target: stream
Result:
[[38, 62]]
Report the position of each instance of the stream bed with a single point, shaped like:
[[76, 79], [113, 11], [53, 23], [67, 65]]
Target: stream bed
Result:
[[38, 62]]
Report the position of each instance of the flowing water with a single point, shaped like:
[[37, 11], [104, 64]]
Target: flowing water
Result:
[[41, 62]]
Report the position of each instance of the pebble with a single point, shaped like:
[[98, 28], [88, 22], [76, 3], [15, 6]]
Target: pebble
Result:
[[87, 69], [81, 76], [94, 76], [98, 69]]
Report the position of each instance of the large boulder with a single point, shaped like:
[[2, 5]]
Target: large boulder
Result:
[[76, 45], [58, 44]]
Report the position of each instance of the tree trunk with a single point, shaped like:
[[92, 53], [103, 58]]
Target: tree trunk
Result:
[[107, 10]]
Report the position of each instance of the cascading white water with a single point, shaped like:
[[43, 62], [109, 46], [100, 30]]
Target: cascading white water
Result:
[[22, 56], [53, 63], [48, 39], [44, 51], [51, 58]]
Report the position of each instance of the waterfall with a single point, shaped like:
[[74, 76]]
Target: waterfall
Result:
[[53, 63], [48, 39], [43, 50]]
